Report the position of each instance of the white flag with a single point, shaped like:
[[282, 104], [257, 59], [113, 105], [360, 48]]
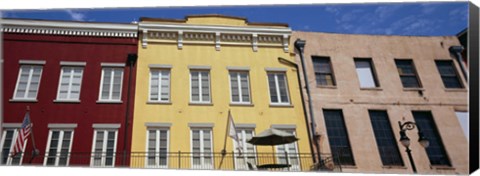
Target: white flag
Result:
[[232, 132]]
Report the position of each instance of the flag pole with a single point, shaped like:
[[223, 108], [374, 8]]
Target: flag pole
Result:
[[224, 151], [35, 150]]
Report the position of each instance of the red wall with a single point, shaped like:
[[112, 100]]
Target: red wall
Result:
[[56, 48]]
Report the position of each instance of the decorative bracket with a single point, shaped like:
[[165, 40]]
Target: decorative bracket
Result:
[[255, 42], [144, 38], [180, 39], [217, 41], [285, 43]]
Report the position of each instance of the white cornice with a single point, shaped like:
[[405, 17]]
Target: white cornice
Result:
[[217, 35], [68, 28]]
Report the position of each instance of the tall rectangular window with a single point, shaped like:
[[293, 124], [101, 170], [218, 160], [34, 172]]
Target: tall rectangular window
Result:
[[111, 84], [104, 148], [277, 82], [365, 73], [386, 142], [435, 151], [200, 86], [249, 153], [7, 144], [323, 71], [28, 82], [289, 151], [70, 83], [202, 149], [408, 73], [159, 85], [449, 75], [463, 119], [338, 137], [58, 148], [157, 148], [239, 87]]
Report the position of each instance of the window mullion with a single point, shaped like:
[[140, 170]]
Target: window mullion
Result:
[[277, 86], [29, 81], [112, 75], [160, 84], [200, 83], [157, 147], [59, 149], [70, 83], [239, 84], [104, 147]]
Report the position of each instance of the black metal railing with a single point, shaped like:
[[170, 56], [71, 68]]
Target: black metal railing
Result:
[[182, 160]]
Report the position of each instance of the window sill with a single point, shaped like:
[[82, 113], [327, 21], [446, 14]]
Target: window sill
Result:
[[327, 87], [281, 105], [349, 167], [413, 89], [24, 100], [200, 104], [442, 167], [456, 90], [394, 167], [241, 104], [66, 101], [371, 88], [109, 101], [159, 102]]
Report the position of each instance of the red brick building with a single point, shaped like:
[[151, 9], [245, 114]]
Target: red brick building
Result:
[[74, 77]]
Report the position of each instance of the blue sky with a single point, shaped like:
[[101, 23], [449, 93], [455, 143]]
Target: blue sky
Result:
[[426, 19]]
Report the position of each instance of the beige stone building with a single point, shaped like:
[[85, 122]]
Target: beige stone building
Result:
[[361, 86]]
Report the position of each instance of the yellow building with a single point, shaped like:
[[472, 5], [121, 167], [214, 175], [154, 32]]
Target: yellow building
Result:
[[192, 71]]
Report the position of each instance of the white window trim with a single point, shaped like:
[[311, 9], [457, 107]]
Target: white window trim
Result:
[[240, 93], [277, 87], [14, 139], [235, 153], [200, 83], [104, 147], [157, 147], [110, 92], [28, 84], [69, 86], [160, 85], [202, 165], [278, 153], [57, 157], [371, 72]]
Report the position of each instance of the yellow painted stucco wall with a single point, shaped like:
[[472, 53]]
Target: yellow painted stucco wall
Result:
[[180, 112]]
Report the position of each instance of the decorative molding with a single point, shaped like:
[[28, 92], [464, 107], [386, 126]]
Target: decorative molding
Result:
[[217, 41], [11, 125], [106, 64], [255, 42], [106, 125], [69, 28], [165, 66], [246, 125], [276, 69], [201, 125], [180, 39], [68, 63], [157, 125], [199, 67], [144, 38], [237, 68], [32, 62], [62, 125], [285, 43], [284, 126]]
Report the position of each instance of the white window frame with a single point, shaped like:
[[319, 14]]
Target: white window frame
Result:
[[157, 147], [29, 82], [70, 84], [239, 84], [466, 131], [200, 83], [14, 139], [59, 146], [371, 73], [160, 85], [110, 92], [104, 147], [244, 149], [282, 154], [277, 87], [202, 165]]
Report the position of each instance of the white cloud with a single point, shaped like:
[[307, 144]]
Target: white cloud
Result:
[[77, 16], [332, 9]]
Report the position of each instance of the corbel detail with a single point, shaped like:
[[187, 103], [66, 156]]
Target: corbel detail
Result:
[[217, 41], [285, 43], [180, 39], [144, 38], [255, 42]]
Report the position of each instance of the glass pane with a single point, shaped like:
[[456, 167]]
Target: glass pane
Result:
[[364, 73], [273, 88]]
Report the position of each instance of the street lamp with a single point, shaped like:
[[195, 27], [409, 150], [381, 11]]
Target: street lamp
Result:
[[405, 141]]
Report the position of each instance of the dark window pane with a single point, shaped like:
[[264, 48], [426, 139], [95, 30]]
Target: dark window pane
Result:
[[386, 143], [435, 151], [323, 71], [338, 137], [408, 74], [449, 75]]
